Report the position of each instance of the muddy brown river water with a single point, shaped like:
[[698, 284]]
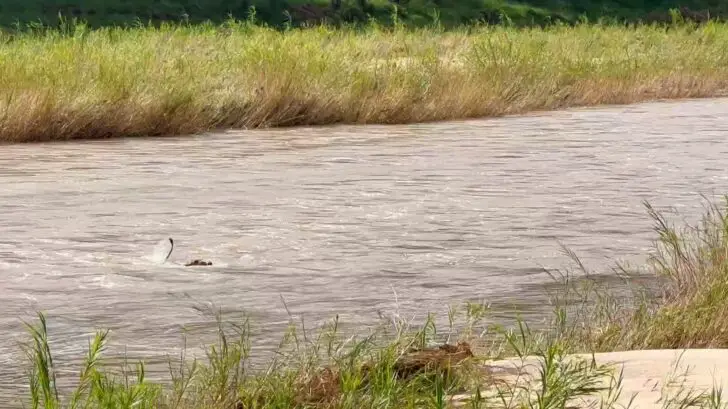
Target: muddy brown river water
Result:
[[333, 220]]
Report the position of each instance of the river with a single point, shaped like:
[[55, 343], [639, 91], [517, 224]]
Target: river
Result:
[[348, 219]]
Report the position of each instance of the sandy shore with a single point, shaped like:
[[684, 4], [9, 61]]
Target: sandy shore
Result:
[[650, 378]]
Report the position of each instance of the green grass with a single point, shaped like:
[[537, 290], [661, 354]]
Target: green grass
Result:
[[79, 83], [330, 369], [691, 312]]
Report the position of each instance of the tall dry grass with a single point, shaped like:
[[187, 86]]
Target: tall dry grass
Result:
[[81, 83], [685, 304]]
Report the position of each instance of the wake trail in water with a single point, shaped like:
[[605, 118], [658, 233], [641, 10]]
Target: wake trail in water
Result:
[[161, 251]]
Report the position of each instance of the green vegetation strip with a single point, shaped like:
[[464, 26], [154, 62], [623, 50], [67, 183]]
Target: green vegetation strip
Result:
[[300, 12], [76, 83]]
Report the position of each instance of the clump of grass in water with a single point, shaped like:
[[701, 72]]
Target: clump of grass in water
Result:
[[96, 388], [329, 371], [691, 266], [326, 372], [115, 82], [300, 381]]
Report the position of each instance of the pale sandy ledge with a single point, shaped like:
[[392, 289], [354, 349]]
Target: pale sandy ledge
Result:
[[677, 378]]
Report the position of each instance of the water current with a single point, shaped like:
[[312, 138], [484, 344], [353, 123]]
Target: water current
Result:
[[347, 219]]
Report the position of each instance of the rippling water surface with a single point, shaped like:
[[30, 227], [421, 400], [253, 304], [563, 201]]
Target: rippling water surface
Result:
[[334, 220]]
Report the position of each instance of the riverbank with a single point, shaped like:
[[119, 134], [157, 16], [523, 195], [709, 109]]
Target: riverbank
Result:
[[404, 364], [183, 80]]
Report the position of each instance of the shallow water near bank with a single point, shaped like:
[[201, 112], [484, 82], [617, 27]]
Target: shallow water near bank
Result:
[[348, 220]]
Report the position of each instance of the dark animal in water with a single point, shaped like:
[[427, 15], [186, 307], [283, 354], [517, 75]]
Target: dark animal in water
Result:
[[191, 263], [198, 263]]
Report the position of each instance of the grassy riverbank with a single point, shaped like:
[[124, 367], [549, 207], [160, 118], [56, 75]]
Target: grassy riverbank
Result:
[[390, 369], [81, 83]]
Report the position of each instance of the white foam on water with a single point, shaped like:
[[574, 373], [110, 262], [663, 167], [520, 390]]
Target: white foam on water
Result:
[[160, 251], [248, 260], [104, 281]]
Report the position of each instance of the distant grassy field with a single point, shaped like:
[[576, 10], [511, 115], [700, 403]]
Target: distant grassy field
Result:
[[400, 365], [82, 83]]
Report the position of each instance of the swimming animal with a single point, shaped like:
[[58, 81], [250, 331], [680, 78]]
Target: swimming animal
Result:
[[191, 263], [198, 263]]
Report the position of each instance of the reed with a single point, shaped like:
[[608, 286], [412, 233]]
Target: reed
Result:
[[75, 83], [690, 266], [328, 371]]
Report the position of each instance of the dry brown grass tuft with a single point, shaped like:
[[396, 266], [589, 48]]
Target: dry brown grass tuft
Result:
[[441, 359], [319, 389]]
